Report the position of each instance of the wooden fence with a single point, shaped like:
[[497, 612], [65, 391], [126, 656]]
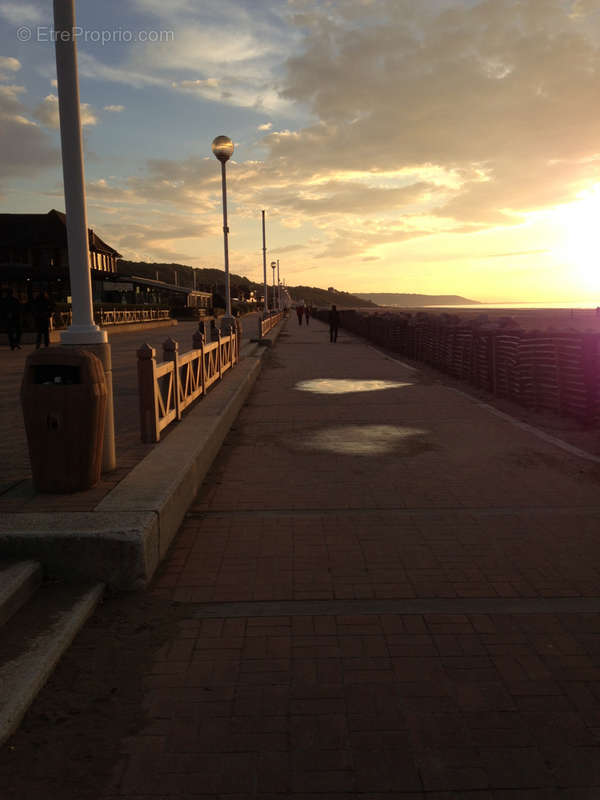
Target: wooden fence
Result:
[[268, 323], [112, 316], [166, 389], [541, 370]]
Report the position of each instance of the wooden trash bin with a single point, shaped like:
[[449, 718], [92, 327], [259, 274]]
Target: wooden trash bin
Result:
[[63, 395]]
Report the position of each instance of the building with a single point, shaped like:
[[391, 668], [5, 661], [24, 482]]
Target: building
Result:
[[34, 256]]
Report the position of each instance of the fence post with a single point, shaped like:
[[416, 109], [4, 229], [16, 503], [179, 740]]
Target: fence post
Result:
[[219, 360], [260, 333], [238, 327], [171, 353], [203, 363], [590, 354], [197, 340], [147, 392]]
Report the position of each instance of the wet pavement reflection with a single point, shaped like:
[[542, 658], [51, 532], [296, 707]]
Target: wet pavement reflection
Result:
[[346, 385], [367, 440]]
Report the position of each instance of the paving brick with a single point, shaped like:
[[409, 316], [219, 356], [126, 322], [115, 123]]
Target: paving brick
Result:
[[515, 768], [387, 771], [458, 770]]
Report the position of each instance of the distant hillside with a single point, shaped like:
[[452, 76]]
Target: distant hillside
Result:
[[213, 280], [314, 296], [417, 300], [207, 280]]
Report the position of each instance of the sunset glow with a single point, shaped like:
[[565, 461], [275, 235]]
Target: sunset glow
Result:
[[445, 146], [580, 246]]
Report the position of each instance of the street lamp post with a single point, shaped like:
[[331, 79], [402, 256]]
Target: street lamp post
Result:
[[83, 330], [222, 148], [278, 288], [274, 267], [264, 249]]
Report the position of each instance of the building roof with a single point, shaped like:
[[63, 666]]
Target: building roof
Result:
[[162, 285], [44, 230]]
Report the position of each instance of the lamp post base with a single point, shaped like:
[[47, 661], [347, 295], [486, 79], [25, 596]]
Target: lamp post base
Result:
[[83, 334]]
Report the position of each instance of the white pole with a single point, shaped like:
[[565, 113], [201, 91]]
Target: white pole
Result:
[[83, 330], [266, 303]]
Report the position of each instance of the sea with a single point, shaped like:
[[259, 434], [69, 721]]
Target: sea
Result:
[[512, 306]]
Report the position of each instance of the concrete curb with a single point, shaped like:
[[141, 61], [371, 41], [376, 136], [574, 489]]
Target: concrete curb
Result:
[[122, 541]]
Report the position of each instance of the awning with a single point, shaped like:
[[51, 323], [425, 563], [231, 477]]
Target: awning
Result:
[[169, 287]]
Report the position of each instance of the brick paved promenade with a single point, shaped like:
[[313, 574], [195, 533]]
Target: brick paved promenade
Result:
[[382, 591]]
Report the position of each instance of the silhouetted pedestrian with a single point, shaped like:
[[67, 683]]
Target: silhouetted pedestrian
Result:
[[42, 311], [307, 313], [299, 312], [334, 321], [11, 311]]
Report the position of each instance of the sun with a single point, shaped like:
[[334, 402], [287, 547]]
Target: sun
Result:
[[578, 232]]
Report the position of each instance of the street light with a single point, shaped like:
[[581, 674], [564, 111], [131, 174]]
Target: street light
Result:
[[273, 267], [264, 238], [222, 148], [278, 288]]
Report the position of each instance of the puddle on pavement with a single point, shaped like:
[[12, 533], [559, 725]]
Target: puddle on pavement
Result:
[[346, 385], [367, 440]]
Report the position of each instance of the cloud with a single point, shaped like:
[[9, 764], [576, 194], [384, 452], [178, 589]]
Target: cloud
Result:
[[500, 87], [114, 109], [92, 67], [7, 66], [425, 117], [46, 112], [225, 52], [156, 239], [25, 149], [208, 83], [21, 13], [347, 197]]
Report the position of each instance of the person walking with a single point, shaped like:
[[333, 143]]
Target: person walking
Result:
[[299, 312], [334, 321], [307, 313], [42, 311], [11, 311]]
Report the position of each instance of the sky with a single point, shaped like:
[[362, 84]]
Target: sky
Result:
[[431, 146]]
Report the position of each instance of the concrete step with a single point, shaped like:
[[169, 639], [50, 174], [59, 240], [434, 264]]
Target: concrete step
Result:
[[34, 639], [18, 581]]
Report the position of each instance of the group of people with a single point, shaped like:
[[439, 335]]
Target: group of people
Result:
[[303, 311], [11, 317], [334, 319]]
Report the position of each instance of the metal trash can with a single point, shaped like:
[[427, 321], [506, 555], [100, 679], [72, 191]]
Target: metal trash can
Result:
[[63, 395]]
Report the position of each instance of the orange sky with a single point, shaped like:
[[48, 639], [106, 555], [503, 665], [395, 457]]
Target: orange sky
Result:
[[442, 146]]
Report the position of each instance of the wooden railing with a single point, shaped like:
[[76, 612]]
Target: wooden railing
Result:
[[168, 388], [118, 316], [268, 323], [113, 316]]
